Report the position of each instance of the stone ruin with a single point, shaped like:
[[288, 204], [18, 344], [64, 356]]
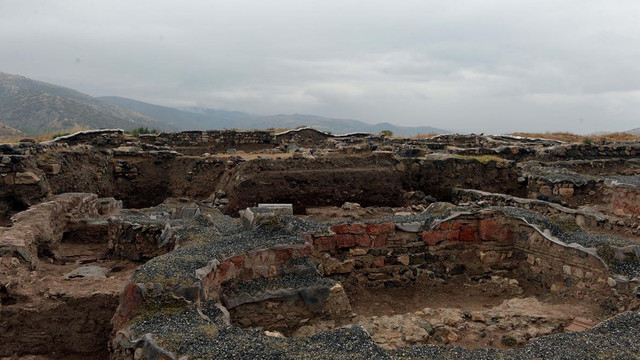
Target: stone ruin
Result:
[[224, 244]]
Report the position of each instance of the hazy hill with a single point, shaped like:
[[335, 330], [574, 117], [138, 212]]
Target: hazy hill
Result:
[[635, 131], [36, 107], [338, 126], [204, 118], [9, 132], [184, 118]]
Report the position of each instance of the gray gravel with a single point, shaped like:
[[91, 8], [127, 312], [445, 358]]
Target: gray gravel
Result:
[[616, 338], [554, 173], [538, 170], [264, 285], [209, 242], [184, 332]]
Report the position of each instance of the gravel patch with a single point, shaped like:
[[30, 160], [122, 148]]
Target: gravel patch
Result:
[[615, 338], [208, 242]]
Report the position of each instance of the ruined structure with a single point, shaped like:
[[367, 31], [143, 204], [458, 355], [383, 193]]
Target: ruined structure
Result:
[[225, 244]]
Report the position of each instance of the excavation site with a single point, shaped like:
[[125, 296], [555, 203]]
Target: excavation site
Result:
[[308, 245]]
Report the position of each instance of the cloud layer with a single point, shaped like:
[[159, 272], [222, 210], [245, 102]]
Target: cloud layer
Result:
[[467, 65]]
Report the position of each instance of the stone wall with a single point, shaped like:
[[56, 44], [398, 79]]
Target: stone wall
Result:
[[590, 151], [288, 309], [477, 245], [144, 234], [211, 141], [41, 228], [134, 241], [100, 138], [562, 190], [24, 168], [621, 201], [16, 170], [21, 185]]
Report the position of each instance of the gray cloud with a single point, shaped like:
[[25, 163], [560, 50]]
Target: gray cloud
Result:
[[468, 65]]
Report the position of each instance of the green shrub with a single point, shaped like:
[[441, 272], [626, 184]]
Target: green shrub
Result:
[[143, 130]]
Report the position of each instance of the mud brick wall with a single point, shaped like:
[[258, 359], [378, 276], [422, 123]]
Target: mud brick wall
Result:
[[80, 333], [87, 232], [261, 263], [625, 201], [383, 255], [582, 219]]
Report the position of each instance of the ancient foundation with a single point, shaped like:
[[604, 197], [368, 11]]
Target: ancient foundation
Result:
[[226, 244]]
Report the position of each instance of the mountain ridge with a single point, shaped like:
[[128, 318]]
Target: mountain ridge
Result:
[[8, 131], [228, 119], [33, 107]]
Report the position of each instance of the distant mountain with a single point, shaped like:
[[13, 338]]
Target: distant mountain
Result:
[[29, 107], [9, 132], [220, 115], [196, 118], [338, 126], [635, 131], [182, 118], [36, 107]]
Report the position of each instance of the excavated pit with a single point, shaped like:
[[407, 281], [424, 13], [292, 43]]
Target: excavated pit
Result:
[[472, 295], [371, 266], [59, 294]]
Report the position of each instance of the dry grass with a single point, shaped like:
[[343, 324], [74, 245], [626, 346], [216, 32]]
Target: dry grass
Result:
[[253, 156], [574, 138], [45, 136], [481, 158], [423, 136], [277, 130]]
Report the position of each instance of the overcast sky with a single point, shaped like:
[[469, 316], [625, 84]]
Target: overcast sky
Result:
[[465, 65]]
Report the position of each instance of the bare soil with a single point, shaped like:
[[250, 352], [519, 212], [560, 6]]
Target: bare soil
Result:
[[495, 313], [62, 318]]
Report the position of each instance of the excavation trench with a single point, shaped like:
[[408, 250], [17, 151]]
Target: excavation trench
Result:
[[478, 282], [64, 316], [58, 291], [143, 179], [488, 312]]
